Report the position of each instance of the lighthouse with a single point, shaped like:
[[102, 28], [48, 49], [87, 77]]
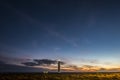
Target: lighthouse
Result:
[[58, 66]]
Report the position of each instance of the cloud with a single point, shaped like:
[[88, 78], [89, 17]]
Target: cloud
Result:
[[114, 70], [70, 68], [98, 69], [30, 63], [73, 67], [4, 67], [45, 61], [84, 68], [41, 62], [12, 60], [34, 67], [87, 66], [102, 69], [109, 70]]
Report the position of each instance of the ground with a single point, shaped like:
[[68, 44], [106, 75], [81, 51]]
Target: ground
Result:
[[60, 76]]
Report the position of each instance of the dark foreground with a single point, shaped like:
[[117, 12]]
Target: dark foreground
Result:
[[60, 76]]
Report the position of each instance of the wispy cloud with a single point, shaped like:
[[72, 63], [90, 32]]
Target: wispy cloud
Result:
[[42, 62], [109, 70], [89, 68], [5, 67], [52, 66]]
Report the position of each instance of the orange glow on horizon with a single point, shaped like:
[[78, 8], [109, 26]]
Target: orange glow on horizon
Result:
[[79, 69]]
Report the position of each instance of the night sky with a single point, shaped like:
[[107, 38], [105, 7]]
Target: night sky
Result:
[[83, 34]]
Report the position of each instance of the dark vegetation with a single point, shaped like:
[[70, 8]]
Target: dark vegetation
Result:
[[60, 76]]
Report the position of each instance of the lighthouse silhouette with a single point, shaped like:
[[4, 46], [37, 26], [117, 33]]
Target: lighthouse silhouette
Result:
[[58, 66]]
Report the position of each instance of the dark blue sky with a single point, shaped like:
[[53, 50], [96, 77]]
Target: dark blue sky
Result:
[[72, 30]]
